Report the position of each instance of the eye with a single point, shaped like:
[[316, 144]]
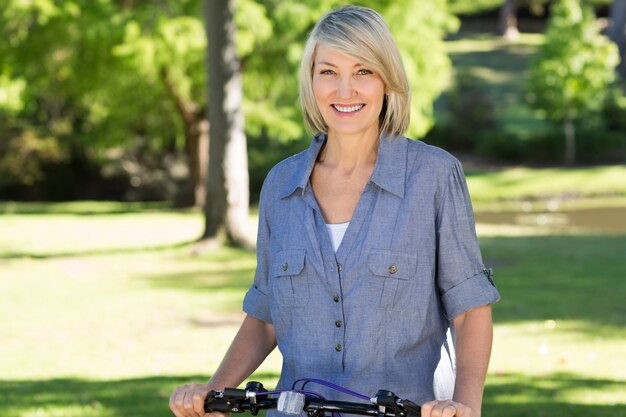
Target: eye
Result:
[[327, 72], [364, 71]]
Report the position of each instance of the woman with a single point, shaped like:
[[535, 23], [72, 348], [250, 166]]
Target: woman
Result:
[[369, 273]]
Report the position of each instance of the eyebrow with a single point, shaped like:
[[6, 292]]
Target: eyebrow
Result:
[[330, 64]]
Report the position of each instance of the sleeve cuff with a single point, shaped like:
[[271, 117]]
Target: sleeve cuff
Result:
[[475, 291], [255, 303]]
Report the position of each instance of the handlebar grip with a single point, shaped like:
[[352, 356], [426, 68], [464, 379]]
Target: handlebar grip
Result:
[[235, 393], [214, 403]]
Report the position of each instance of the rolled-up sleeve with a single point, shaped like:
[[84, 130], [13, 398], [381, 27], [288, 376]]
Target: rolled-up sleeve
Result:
[[256, 300], [462, 279]]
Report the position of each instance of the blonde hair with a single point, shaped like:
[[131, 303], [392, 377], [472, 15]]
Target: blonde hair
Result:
[[361, 33]]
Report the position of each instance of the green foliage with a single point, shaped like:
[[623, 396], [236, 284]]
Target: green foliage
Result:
[[419, 34], [470, 7], [101, 78], [575, 65], [24, 156], [11, 91], [614, 110], [470, 113]]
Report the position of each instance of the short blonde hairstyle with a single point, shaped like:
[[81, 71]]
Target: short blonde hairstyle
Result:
[[361, 33]]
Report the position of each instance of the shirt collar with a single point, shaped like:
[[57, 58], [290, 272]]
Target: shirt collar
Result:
[[389, 172]]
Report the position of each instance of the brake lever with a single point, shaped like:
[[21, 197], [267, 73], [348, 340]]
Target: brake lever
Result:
[[387, 400]]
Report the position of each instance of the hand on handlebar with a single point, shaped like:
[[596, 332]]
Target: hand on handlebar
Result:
[[447, 408], [188, 401]]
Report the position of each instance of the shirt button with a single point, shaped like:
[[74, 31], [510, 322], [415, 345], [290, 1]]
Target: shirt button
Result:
[[336, 298], [338, 347], [285, 266], [393, 269], [338, 323], [339, 267]]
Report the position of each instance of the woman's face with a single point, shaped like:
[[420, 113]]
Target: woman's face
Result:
[[348, 93]]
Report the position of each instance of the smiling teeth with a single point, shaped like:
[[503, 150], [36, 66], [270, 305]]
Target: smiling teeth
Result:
[[348, 109]]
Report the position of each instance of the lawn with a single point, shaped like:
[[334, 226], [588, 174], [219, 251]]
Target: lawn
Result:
[[104, 312]]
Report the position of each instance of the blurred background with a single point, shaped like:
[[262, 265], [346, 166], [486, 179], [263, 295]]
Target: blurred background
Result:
[[135, 137]]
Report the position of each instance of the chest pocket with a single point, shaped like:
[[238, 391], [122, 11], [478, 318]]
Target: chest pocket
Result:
[[397, 270], [290, 287]]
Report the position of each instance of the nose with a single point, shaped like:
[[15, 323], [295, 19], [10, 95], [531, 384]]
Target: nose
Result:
[[346, 88]]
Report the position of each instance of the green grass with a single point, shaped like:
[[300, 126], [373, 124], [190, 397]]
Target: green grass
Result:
[[519, 184], [103, 314]]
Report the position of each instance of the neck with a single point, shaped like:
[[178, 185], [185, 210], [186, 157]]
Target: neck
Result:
[[349, 152]]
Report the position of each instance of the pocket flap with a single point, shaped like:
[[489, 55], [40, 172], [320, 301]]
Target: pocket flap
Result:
[[390, 264], [288, 262]]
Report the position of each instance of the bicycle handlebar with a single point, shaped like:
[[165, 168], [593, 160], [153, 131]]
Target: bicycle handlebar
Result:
[[255, 398]]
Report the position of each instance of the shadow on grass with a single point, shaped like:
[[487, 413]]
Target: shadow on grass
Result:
[[553, 395], [82, 207], [210, 280], [78, 397], [512, 396], [93, 252]]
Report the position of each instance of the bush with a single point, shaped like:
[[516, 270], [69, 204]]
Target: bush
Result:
[[614, 110], [501, 146], [25, 154], [470, 115], [470, 111]]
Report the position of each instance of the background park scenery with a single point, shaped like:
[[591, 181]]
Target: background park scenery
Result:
[[108, 297]]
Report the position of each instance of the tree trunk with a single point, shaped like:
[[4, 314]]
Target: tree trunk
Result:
[[226, 208], [196, 130], [570, 140], [507, 21], [617, 31]]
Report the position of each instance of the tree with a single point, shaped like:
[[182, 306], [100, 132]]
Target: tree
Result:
[[507, 20], [617, 31], [569, 79], [84, 86], [167, 53], [227, 205]]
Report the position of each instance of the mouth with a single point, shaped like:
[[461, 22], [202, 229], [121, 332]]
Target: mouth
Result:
[[348, 109]]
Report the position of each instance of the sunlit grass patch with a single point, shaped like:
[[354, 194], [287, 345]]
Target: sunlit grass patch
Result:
[[547, 184], [42, 235]]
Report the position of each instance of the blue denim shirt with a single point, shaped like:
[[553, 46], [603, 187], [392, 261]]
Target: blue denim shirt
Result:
[[377, 313]]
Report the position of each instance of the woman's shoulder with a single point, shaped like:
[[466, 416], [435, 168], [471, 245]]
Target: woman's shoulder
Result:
[[286, 173], [289, 165], [421, 153]]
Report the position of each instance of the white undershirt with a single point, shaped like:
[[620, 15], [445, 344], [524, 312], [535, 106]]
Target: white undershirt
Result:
[[337, 231]]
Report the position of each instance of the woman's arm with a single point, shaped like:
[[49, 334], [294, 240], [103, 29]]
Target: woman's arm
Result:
[[254, 341], [474, 335]]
